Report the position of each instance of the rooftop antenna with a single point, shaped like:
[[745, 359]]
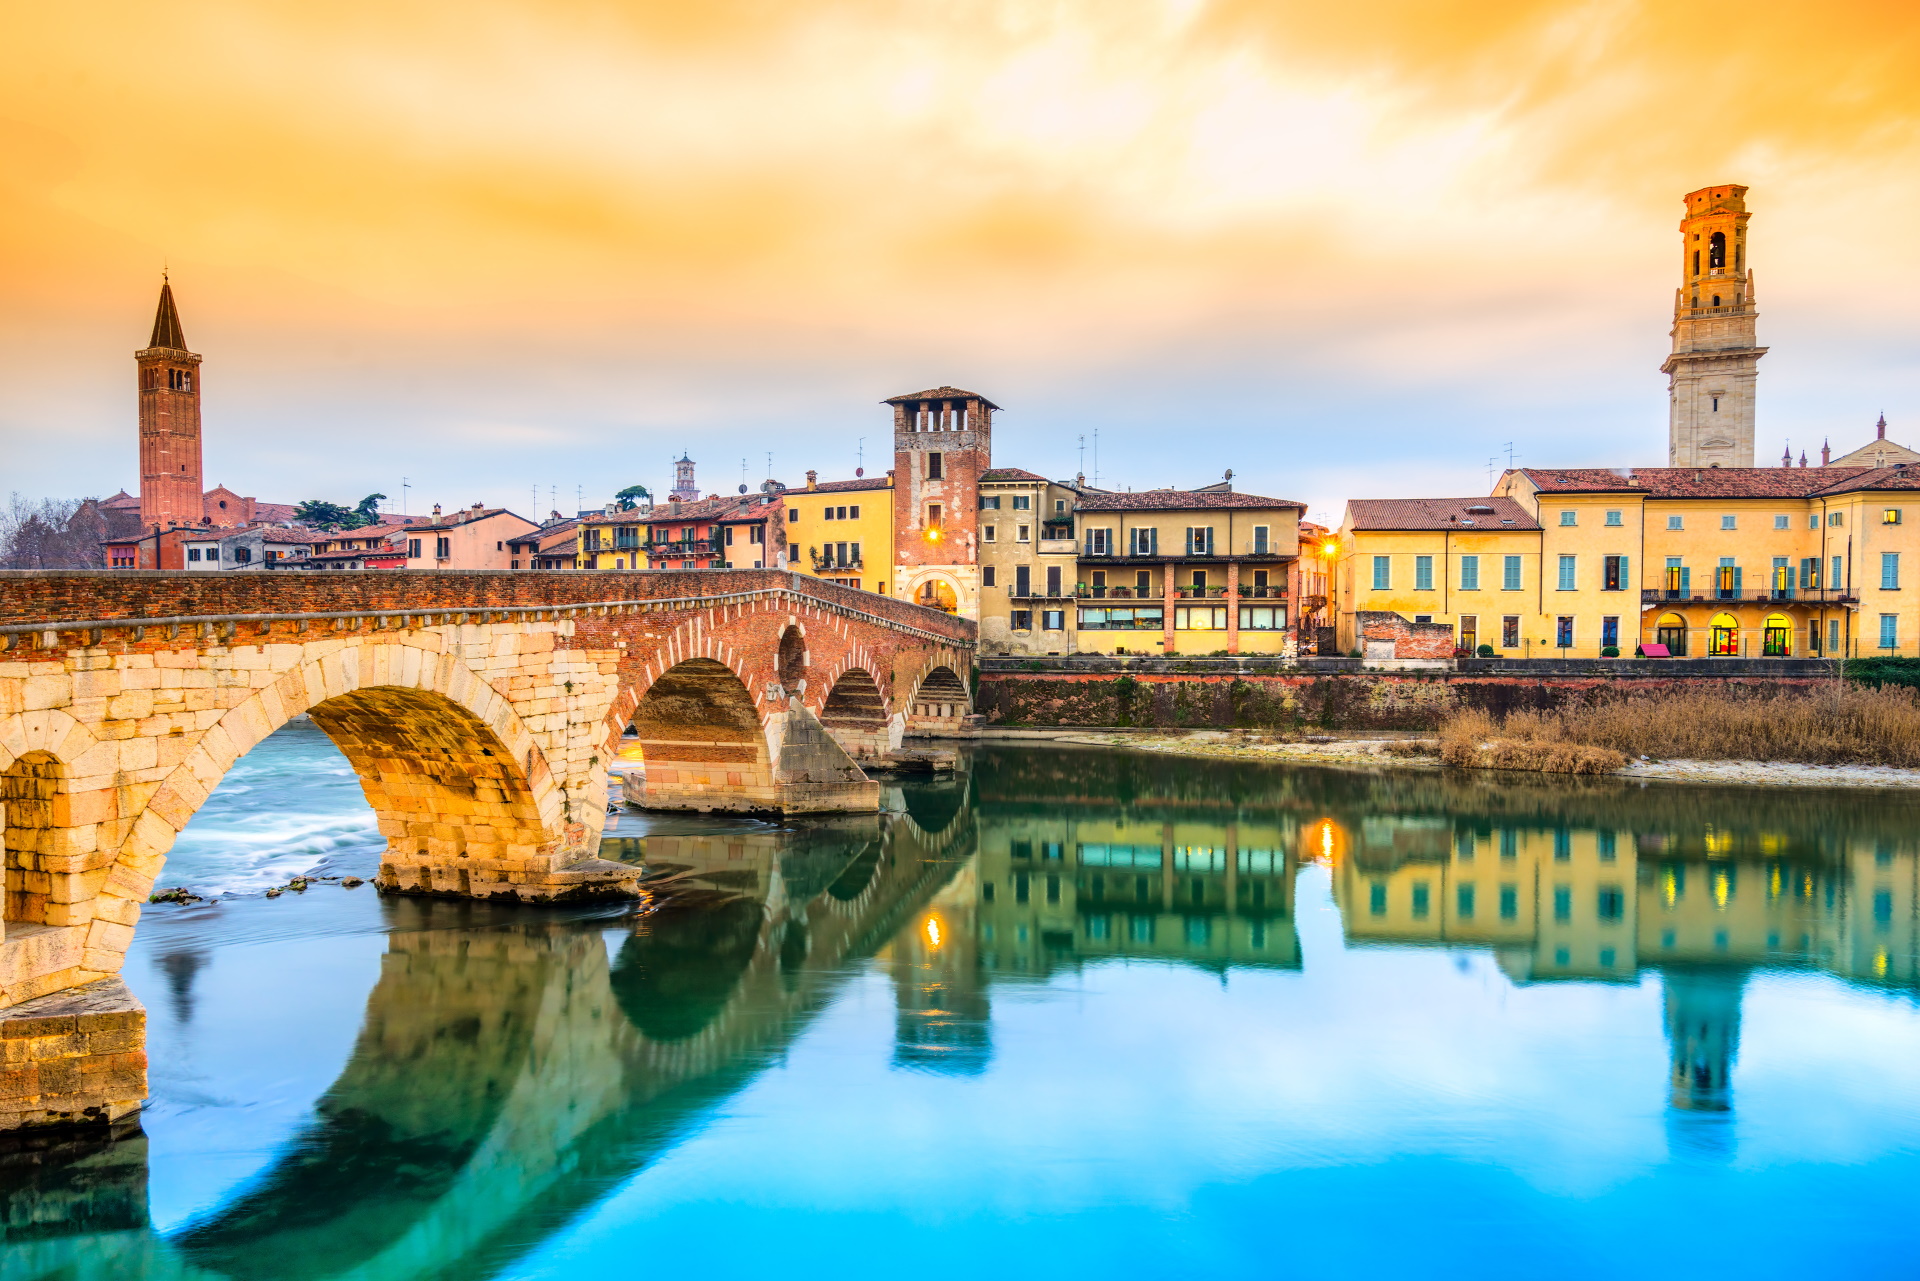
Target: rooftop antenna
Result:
[[403, 495], [769, 464], [860, 456], [1096, 458], [579, 497], [1509, 455], [743, 475], [1491, 463], [1082, 468]]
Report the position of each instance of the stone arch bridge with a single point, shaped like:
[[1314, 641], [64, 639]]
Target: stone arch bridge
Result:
[[481, 711]]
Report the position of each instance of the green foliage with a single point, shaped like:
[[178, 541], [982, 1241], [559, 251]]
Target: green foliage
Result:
[[1610, 651], [1880, 672], [1124, 691], [629, 498], [322, 514], [368, 510], [1485, 651]]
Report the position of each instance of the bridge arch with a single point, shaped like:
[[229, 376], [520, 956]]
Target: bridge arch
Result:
[[702, 740], [855, 713], [940, 700]]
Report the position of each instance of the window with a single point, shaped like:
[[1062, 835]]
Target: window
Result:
[[1676, 522], [1382, 573], [1053, 580], [1053, 620], [1563, 631], [1608, 844], [1567, 566], [1469, 631], [933, 467], [1423, 573], [413, 548], [1563, 903], [1260, 540], [1263, 618], [1614, 574], [1510, 574], [986, 576], [1809, 573], [1717, 250], [1150, 619], [1610, 903], [1463, 900], [1813, 520], [1510, 632], [1200, 540], [727, 535], [1726, 584], [1835, 518], [1023, 533], [990, 504], [1143, 542], [1509, 844], [757, 534], [1613, 517], [1890, 516], [443, 548], [193, 553], [1838, 577], [1833, 636], [1509, 902], [1023, 502], [1779, 522], [1059, 506], [1729, 522], [1022, 620], [1023, 580], [989, 533], [1889, 631], [1567, 518], [1200, 618], [1099, 542], [1422, 900], [793, 515], [1610, 630], [1889, 571], [1469, 573], [933, 515]]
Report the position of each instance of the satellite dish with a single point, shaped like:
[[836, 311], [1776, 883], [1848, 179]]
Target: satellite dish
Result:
[[859, 471], [743, 489]]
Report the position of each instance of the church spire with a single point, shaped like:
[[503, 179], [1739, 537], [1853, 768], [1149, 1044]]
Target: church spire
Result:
[[1880, 429], [166, 322]]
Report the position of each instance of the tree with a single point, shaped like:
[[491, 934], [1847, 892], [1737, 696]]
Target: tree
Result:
[[321, 514], [54, 533], [369, 509], [629, 498]]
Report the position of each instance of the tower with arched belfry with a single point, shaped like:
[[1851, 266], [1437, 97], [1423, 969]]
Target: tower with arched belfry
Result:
[[1714, 365], [169, 376]]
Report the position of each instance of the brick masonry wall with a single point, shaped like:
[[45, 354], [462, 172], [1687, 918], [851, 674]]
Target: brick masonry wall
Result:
[[73, 1058], [1409, 639], [1337, 701]]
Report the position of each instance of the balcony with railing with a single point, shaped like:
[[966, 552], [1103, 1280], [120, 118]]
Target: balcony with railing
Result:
[[691, 547], [1734, 595], [1086, 591]]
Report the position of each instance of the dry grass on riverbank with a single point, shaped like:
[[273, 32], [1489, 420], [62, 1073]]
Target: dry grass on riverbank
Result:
[[1835, 725]]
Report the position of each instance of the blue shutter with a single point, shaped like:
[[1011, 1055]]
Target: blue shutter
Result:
[[1626, 582], [1736, 582]]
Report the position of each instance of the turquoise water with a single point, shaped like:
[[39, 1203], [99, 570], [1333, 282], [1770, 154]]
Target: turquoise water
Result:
[[1074, 1012]]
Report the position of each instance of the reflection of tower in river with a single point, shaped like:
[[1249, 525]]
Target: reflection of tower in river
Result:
[[1703, 1035], [943, 1020]]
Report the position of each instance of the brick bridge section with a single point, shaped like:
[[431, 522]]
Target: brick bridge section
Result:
[[480, 709]]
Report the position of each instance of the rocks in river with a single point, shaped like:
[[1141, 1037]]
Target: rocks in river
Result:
[[275, 892], [178, 894], [349, 882]]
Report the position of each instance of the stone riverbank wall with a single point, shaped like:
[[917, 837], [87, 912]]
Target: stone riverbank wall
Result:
[[1336, 694]]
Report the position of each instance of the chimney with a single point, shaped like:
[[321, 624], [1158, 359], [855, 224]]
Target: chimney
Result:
[[813, 480], [436, 509]]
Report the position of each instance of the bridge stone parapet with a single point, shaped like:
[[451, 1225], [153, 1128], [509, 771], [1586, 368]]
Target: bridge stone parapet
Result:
[[480, 710]]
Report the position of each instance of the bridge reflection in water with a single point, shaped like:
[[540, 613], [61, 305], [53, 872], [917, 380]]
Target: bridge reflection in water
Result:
[[513, 1070]]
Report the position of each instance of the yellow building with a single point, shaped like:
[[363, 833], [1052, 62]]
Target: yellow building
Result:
[[1472, 564], [842, 530], [1753, 562]]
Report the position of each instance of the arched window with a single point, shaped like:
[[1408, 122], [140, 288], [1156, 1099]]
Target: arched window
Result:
[[1717, 249]]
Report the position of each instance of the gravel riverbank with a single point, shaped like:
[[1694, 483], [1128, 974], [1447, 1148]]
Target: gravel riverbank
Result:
[[1374, 753]]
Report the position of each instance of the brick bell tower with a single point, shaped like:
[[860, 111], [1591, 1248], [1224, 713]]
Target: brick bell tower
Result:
[[942, 442], [1714, 366], [170, 484]]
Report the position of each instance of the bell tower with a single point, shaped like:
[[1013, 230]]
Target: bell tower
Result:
[[942, 442], [170, 484], [1714, 365]]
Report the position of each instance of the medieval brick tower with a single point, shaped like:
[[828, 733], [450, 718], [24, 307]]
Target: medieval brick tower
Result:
[[1713, 368], [942, 442], [170, 485]]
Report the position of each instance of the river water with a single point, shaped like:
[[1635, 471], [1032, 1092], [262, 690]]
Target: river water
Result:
[[1072, 1012]]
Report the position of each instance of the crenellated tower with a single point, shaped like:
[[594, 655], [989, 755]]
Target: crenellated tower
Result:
[[170, 483], [942, 442], [1714, 365]]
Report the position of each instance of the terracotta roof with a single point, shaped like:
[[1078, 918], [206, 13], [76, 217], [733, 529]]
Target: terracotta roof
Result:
[[940, 393], [294, 536], [465, 516], [1694, 482], [1174, 500], [377, 553], [1438, 513], [1007, 473], [278, 513], [1875, 478], [720, 507], [121, 499], [844, 486]]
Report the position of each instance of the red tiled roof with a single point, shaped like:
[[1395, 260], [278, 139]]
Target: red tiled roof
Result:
[[1008, 473], [1696, 482], [1174, 500], [940, 393], [1438, 513], [277, 513], [452, 520], [120, 500], [845, 486], [294, 536], [720, 507]]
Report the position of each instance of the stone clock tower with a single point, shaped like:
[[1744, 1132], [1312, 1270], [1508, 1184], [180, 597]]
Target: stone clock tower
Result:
[[1712, 370]]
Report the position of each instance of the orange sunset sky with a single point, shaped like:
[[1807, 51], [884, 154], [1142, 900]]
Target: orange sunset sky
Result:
[[1345, 250]]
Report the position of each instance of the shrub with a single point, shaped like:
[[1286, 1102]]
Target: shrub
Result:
[[1834, 724], [1610, 651], [1485, 651], [1356, 654]]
